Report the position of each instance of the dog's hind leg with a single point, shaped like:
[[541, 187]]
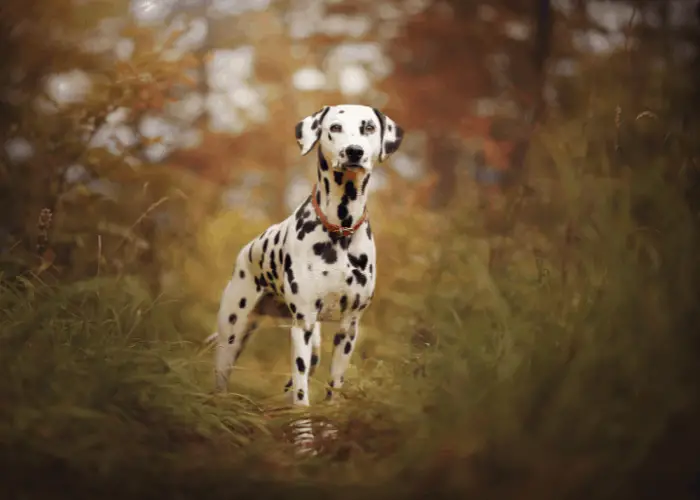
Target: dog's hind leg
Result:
[[236, 321]]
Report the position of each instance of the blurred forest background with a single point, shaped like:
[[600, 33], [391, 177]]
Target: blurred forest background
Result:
[[534, 333]]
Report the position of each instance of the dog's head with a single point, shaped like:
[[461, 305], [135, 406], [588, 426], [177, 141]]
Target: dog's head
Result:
[[350, 136]]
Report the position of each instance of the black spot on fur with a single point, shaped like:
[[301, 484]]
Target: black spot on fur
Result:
[[351, 190], [307, 336], [298, 130], [356, 302], [360, 277], [302, 208], [318, 197], [371, 269], [330, 137], [325, 273], [293, 286], [241, 274], [242, 303], [382, 121], [231, 339], [293, 307], [265, 244], [343, 303], [301, 366], [369, 231], [322, 163], [307, 227], [300, 394], [342, 211], [314, 360], [392, 146], [232, 319], [365, 181], [319, 304], [250, 253], [326, 251], [339, 337], [314, 125], [343, 241], [300, 316], [338, 178], [288, 385], [323, 114], [360, 261], [326, 186], [348, 348], [277, 238], [349, 281]]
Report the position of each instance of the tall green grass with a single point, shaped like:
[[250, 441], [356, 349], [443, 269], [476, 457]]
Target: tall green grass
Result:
[[96, 373]]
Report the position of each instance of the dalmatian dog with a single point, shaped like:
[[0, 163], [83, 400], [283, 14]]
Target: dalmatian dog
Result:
[[319, 263]]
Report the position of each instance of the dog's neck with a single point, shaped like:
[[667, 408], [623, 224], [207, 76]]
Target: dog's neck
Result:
[[342, 195]]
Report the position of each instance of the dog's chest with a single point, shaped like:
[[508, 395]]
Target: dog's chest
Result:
[[338, 276], [344, 284]]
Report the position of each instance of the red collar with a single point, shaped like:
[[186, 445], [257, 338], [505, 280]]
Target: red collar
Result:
[[335, 228]]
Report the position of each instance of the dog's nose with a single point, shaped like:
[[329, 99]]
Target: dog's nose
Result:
[[354, 153]]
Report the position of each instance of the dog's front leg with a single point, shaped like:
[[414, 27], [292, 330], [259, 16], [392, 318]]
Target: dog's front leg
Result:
[[315, 357], [344, 344], [302, 338], [302, 334]]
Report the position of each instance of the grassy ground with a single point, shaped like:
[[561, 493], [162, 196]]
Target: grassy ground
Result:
[[549, 356]]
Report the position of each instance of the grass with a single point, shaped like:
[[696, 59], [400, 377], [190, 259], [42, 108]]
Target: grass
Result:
[[99, 355], [546, 359], [100, 386]]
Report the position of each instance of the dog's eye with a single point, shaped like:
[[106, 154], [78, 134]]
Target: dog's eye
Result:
[[336, 128], [369, 129]]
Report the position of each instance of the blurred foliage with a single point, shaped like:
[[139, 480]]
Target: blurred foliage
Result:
[[535, 346]]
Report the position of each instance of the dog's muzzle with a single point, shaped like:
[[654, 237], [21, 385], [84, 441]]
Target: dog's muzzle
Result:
[[350, 166]]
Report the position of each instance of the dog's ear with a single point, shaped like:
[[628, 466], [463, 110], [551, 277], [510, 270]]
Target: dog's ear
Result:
[[308, 130], [391, 135]]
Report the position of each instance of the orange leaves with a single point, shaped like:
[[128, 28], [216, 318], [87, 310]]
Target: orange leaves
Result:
[[145, 80]]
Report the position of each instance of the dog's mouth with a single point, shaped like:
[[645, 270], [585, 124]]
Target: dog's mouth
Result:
[[350, 166]]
